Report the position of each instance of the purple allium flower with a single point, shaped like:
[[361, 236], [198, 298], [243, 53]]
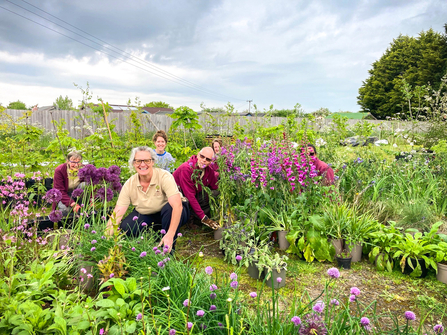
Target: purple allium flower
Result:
[[355, 291], [410, 315], [161, 264], [172, 332], [312, 324], [179, 235], [438, 329], [213, 287], [279, 280], [116, 185], [220, 324], [253, 294], [318, 307], [162, 231], [213, 307], [333, 273], [155, 248], [238, 258], [104, 194], [53, 195], [213, 296], [133, 249], [86, 226], [93, 231], [186, 303], [335, 302], [189, 325], [135, 218], [352, 298], [112, 275], [233, 276], [114, 170], [200, 312], [94, 241], [143, 224], [55, 216], [92, 249], [143, 254], [234, 284], [208, 270], [157, 252], [77, 192], [139, 316], [296, 321], [364, 321]]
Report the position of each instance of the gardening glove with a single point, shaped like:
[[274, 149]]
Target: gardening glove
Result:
[[210, 223]]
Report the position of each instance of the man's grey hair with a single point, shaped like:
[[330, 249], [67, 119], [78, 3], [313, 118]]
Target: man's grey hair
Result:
[[74, 154], [138, 149]]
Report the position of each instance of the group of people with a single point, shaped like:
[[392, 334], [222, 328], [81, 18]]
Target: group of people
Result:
[[161, 200]]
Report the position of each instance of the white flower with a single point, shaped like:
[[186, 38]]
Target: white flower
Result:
[[166, 288], [320, 142], [395, 145]]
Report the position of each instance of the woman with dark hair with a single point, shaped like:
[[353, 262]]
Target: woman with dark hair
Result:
[[66, 180], [155, 195], [217, 146], [165, 160], [323, 169]]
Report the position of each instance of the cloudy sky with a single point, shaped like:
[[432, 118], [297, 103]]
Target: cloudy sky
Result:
[[316, 53]]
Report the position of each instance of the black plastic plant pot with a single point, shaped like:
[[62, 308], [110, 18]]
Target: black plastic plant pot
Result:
[[408, 270], [48, 183], [344, 263], [30, 183]]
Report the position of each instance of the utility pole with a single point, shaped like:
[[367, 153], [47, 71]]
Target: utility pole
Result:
[[249, 104]]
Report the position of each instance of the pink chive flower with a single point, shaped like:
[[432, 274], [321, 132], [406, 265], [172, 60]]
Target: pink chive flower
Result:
[[92, 249], [186, 303], [410, 316], [200, 312], [233, 276], [135, 218], [352, 298], [355, 291], [253, 294], [208, 270], [296, 321], [333, 273], [279, 280], [234, 284]]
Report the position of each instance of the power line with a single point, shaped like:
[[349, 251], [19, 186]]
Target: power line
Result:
[[173, 78], [137, 59]]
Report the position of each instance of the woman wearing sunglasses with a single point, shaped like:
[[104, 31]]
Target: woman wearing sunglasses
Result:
[[66, 180], [323, 169], [155, 195], [190, 176]]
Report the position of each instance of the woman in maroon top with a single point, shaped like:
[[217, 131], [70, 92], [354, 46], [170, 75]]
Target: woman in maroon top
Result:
[[323, 169], [66, 180]]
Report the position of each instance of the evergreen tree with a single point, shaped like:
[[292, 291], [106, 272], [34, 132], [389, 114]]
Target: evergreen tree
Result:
[[410, 62]]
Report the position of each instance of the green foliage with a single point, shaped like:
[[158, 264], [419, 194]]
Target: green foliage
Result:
[[419, 61], [159, 104], [17, 105], [296, 112], [63, 103]]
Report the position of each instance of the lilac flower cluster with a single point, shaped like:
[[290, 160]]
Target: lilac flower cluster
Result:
[[53, 196]]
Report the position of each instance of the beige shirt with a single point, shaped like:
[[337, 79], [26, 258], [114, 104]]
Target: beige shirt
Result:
[[73, 181], [161, 187]]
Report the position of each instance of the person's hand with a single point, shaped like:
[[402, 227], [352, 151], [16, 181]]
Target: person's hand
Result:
[[210, 223], [75, 206], [168, 239]]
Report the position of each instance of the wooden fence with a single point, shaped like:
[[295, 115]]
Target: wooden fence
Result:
[[81, 124]]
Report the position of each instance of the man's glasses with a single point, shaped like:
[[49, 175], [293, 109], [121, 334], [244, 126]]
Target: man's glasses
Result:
[[206, 158], [140, 161], [77, 163]]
